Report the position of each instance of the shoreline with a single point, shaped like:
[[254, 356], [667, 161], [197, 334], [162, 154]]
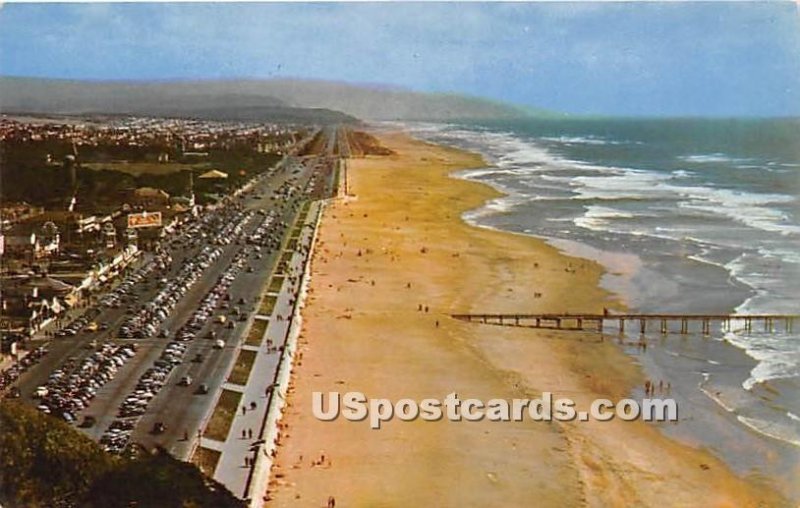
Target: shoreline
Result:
[[455, 264], [771, 449]]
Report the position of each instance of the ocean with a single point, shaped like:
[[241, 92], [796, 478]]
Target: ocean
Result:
[[687, 215]]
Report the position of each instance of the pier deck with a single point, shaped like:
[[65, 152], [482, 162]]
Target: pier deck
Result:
[[597, 322]]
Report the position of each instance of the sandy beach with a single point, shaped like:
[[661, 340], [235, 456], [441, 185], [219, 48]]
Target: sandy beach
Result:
[[399, 243]]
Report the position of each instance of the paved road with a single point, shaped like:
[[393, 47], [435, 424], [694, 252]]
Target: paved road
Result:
[[178, 407]]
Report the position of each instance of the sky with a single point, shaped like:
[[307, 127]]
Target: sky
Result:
[[642, 59]]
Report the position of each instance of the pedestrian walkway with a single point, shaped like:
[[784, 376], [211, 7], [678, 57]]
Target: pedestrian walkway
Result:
[[247, 429]]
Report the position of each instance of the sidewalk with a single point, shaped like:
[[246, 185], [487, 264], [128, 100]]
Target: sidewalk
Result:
[[231, 469]]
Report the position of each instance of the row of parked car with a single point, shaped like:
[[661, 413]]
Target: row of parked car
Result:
[[146, 321], [116, 438], [126, 289], [83, 322], [269, 233], [11, 374], [72, 387]]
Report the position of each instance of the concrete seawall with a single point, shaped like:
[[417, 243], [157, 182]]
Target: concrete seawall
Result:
[[261, 471]]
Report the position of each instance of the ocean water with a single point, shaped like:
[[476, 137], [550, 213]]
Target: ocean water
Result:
[[693, 216]]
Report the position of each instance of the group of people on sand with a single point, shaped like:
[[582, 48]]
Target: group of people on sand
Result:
[[650, 387]]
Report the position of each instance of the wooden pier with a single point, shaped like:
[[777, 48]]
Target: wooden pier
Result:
[[667, 323]]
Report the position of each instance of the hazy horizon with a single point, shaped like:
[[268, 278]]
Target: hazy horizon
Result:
[[714, 59]]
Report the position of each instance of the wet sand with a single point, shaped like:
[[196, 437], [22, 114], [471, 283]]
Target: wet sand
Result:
[[363, 332]]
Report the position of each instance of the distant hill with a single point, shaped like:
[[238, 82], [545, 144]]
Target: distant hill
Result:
[[302, 100], [178, 99]]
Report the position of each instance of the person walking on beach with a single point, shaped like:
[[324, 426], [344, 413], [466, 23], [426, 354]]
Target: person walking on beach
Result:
[[331, 502]]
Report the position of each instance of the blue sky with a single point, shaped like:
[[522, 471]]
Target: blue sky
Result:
[[710, 59]]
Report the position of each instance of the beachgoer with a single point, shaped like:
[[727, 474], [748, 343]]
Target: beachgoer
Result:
[[331, 502]]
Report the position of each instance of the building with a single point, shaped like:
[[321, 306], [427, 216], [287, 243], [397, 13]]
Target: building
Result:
[[28, 303], [149, 197], [214, 174], [31, 240]]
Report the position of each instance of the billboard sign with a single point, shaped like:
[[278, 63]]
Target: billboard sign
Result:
[[144, 220]]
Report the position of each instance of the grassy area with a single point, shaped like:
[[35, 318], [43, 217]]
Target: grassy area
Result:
[[267, 305], [275, 284], [206, 460], [256, 332], [140, 168], [242, 367], [220, 423], [286, 257]]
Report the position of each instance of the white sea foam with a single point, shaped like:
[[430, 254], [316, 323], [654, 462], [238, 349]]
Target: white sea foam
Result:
[[716, 398], [682, 173], [712, 158], [747, 208], [586, 140], [785, 432]]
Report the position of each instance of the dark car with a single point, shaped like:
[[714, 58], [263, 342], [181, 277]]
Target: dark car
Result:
[[159, 428], [202, 389]]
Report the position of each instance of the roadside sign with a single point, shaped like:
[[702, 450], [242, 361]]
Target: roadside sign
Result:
[[144, 220]]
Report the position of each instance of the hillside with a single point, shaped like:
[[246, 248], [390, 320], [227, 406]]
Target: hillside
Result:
[[302, 100], [178, 99], [46, 463]]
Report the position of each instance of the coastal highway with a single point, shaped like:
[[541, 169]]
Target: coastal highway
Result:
[[180, 408], [177, 407]]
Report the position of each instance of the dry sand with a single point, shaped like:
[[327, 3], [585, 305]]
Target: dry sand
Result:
[[403, 226]]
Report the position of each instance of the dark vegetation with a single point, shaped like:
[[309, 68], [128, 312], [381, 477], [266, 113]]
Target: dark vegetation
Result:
[[362, 144], [46, 463], [27, 176]]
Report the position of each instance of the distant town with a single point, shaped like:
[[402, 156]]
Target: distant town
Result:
[[77, 195]]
